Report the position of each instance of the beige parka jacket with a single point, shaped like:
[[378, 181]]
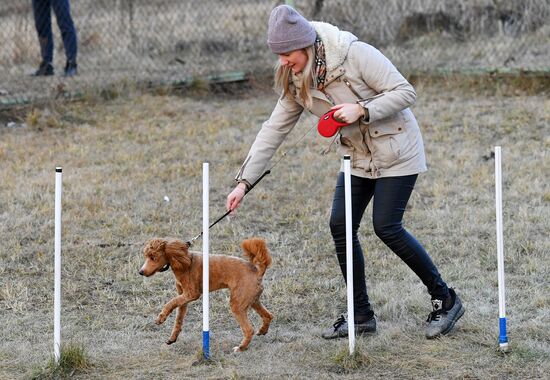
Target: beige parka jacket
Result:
[[388, 144]]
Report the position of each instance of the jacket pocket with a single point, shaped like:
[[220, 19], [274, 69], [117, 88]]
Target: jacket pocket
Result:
[[345, 147], [350, 142], [388, 141]]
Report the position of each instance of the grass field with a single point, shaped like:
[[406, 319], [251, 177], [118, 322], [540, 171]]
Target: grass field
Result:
[[121, 158]]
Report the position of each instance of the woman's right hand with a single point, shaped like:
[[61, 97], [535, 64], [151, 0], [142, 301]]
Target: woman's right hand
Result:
[[234, 198]]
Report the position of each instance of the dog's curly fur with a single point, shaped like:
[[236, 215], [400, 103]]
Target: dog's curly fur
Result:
[[242, 277]]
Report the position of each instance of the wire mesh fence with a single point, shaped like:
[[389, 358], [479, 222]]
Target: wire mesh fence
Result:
[[173, 41]]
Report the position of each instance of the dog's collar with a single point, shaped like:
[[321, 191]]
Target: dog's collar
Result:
[[164, 268]]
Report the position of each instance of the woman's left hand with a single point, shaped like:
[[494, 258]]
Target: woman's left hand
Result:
[[348, 112]]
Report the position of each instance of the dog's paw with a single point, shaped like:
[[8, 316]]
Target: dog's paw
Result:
[[170, 341], [160, 319], [239, 349], [262, 331]]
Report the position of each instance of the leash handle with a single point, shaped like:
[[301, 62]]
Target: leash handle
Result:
[[258, 180], [190, 242]]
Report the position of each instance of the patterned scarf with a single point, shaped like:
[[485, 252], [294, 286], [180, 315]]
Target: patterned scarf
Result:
[[320, 71]]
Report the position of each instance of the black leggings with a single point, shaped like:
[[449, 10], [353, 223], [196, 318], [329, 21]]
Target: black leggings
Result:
[[391, 195]]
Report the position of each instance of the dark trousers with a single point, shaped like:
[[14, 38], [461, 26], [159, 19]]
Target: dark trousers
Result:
[[43, 22], [391, 195]]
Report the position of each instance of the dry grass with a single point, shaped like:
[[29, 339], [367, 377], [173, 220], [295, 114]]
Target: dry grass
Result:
[[120, 158]]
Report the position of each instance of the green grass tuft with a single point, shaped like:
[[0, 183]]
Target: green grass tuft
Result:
[[72, 359], [348, 363]]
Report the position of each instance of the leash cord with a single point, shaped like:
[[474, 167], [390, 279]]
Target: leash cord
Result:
[[190, 242]]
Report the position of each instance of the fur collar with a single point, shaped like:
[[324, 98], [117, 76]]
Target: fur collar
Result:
[[336, 41]]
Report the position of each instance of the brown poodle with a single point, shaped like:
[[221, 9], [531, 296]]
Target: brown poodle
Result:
[[242, 277]]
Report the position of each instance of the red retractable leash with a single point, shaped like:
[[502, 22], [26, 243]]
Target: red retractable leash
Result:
[[328, 124]]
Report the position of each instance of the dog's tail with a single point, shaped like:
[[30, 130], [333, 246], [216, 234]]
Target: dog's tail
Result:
[[255, 250]]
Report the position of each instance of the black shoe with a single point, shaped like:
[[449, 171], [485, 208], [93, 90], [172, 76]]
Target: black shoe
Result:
[[44, 70], [339, 328], [442, 319], [70, 69]]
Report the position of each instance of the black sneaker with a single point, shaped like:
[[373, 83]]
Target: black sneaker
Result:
[[339, 328], [70, 69], [442, 320], [44, 70]]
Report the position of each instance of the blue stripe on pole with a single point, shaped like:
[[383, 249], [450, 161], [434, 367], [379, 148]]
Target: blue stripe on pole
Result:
[[502, 337], [206, 344]]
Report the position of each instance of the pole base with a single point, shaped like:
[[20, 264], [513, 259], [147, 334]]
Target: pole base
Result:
[[503, 347], [206, 344]]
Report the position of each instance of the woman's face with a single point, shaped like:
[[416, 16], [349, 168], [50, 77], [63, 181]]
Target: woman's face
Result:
[[296, 60]]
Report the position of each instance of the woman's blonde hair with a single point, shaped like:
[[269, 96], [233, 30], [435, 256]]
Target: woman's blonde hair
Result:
[[307, 78]]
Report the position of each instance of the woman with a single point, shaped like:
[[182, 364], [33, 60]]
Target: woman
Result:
[[321, 68]]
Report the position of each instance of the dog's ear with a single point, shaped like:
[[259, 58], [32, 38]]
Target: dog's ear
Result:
[[177, 253], [155, 245]]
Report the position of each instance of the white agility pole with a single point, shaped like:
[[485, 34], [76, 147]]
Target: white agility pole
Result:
[[205, 263], [503, 338], [349, 254], [57, 267]]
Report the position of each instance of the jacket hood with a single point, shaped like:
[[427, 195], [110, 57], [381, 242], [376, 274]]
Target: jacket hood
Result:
[[336, 41]]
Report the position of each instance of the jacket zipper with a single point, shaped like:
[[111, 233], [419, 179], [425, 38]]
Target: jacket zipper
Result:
[[347, 82], [239, 175], [375, 172]]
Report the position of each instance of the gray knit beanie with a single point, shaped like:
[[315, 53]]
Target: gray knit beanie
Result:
[[288, 30]]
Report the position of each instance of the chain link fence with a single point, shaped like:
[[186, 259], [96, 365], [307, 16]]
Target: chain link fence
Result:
[[173, 41]]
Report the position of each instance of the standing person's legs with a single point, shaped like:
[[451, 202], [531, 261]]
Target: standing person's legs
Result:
[[43, 24], [62, 10], [391, 195], [390, 199], [362, 190]]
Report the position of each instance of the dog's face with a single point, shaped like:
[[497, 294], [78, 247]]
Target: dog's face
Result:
[[155, 258]]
